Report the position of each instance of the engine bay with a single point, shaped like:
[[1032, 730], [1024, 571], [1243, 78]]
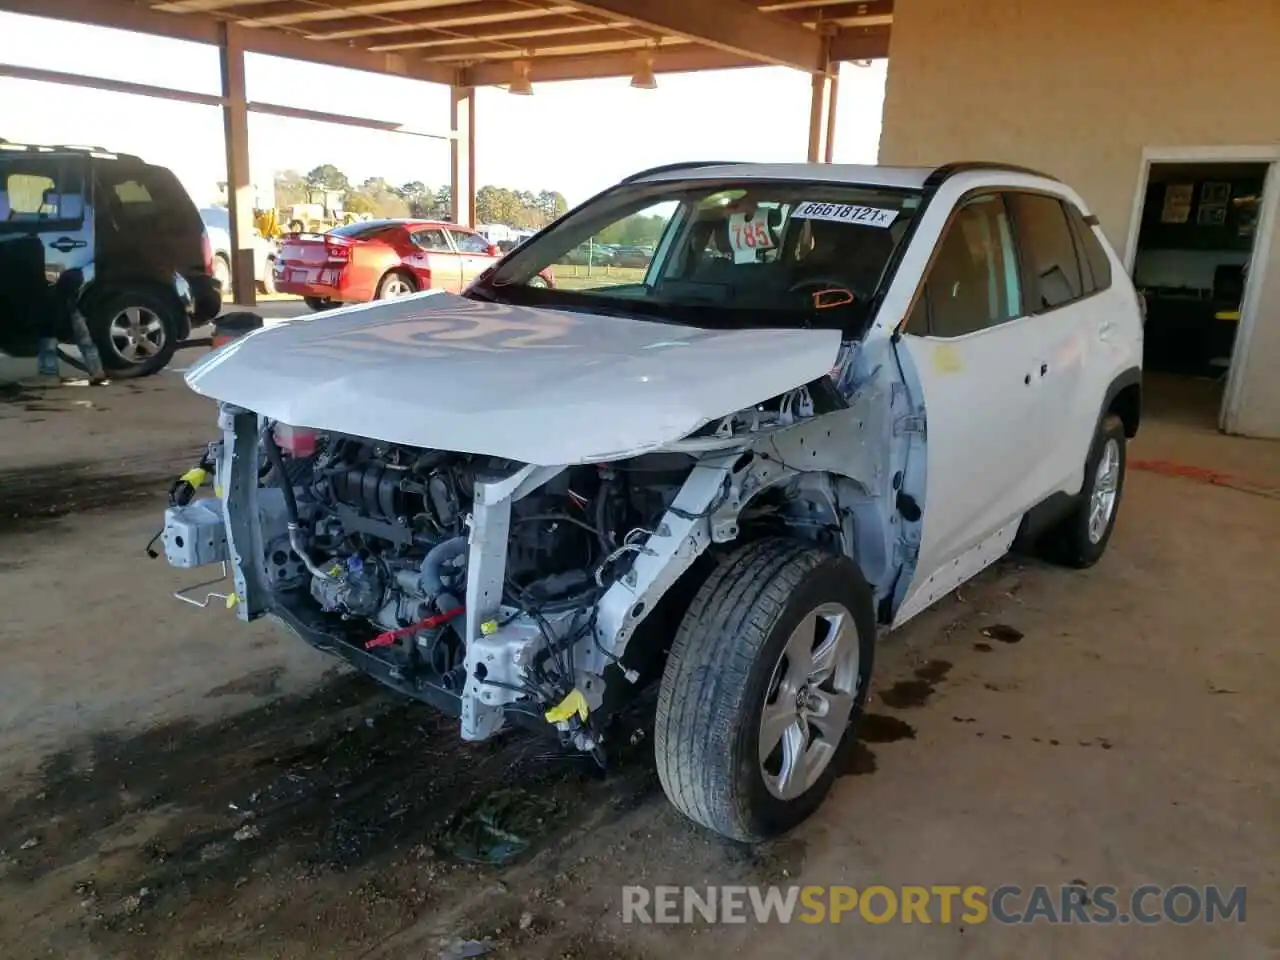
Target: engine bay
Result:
[[378, 547]]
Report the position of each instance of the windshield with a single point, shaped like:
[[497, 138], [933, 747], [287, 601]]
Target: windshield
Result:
[[717, 254]]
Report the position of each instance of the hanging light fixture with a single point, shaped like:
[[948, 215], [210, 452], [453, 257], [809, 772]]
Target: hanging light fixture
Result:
[[520, 83], [643, 78]]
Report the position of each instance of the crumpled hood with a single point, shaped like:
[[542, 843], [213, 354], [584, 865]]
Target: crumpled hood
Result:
[[539, 386]]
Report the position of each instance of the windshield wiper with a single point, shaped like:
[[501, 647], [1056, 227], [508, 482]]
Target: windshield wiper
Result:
[[485, 293]]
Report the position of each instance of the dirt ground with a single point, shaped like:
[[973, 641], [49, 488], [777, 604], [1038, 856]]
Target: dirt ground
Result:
[[176, 785]]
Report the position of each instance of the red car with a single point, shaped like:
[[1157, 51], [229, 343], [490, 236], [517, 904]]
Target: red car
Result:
[[382, 259]]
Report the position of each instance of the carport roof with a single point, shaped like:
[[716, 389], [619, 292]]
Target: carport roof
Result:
[[479, 42]]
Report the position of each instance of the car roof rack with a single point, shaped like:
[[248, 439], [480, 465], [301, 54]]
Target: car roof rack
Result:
[[948, 170], [672, 167], [65, 148]]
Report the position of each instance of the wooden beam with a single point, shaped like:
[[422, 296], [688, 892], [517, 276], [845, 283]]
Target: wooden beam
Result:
[[833, 96], [860, 43], [818, 98], [122, 16], [202, 28], [322, 116], [733, 26], [817, 104], [240, 199], [853, 13], [298, 12], [437, 18], [550, 48], [462, 155], [209, 100], [291, 46], [113, 86], [828, 9], [290, 12], [527, 33], [688, 58]]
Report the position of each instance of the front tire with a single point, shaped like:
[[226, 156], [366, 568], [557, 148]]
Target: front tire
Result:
[[1082, 536], [136, 331], [222, 273], [766, 678]]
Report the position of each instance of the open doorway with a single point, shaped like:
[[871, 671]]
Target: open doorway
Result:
[[1197, 235]]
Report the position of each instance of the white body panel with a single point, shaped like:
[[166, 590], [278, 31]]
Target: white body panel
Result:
[[1002, 436], [1087, 344], [982, 398], [538, 386], [946, 578]]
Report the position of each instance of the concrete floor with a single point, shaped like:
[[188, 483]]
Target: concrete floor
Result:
[[1128, 738]]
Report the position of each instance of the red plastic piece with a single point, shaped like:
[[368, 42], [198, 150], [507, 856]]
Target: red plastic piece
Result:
[[391, 636]]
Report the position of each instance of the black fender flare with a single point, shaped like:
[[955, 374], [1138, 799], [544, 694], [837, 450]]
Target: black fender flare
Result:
[[1132, 377]]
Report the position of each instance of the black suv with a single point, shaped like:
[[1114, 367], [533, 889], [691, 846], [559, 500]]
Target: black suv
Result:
[[129, 238]]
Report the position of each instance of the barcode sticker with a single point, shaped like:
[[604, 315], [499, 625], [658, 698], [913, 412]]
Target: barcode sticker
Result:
[[845, 213]]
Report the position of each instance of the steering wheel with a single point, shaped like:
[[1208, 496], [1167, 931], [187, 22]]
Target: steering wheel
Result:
[[826, 292]]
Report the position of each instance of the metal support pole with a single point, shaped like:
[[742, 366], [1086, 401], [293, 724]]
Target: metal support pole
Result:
[[462, 155], [235, 117]]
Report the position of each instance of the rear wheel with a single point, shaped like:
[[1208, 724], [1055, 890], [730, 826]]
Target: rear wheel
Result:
[[394, 286], [1081, 537], [135, 330], [222, 273], [766, 677], [538, 282], [268, 281], [317, 303]]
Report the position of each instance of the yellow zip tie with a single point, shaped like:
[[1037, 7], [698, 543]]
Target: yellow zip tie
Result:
[[196, 476], [232, 600]]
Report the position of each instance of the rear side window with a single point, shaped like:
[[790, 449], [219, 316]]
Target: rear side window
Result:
[[972, 282], [1050, 267], [431, 239], [37, 190], [1094, 259], [139, 194]]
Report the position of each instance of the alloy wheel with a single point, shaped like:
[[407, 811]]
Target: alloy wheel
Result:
[[809, 701], [136, 334], [1106, 485]]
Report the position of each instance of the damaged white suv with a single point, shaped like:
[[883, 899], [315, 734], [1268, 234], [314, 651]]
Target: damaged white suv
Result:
[[832, 395]]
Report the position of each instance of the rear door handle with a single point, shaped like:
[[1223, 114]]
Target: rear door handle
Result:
[[66, 244]]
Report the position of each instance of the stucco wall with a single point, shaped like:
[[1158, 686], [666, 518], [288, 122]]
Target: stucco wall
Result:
[[1079, 89]]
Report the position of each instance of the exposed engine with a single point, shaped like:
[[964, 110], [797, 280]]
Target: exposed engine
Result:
[[383, 533]]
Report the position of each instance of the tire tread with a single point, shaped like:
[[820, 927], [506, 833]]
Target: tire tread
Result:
[[697, 727]]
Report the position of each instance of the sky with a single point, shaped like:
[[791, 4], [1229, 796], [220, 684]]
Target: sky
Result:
[[575, 137]]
